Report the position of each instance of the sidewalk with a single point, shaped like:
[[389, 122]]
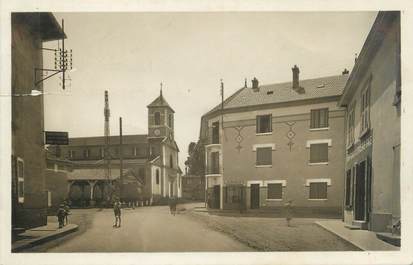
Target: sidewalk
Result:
[[40, 235], [363, 239]]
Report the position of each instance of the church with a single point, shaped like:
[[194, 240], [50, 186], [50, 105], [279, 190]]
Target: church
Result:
[[151, 171]]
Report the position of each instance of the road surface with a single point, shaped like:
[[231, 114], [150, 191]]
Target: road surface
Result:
[[144, 229]]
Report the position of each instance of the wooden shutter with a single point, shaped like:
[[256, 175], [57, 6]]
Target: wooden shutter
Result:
[[264, 156], [318, 190], [274, 191], [257, 124], [318, 153]]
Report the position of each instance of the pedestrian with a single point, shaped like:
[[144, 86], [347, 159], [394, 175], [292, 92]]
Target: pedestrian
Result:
[[117, 211], [61, 215], [288, 211], [172, 205], [67, 212]]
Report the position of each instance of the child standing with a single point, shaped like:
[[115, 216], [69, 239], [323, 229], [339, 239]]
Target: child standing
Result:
[[61, 215], [117, 212]]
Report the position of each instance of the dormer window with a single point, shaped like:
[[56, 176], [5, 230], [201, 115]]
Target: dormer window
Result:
[[157, 118]]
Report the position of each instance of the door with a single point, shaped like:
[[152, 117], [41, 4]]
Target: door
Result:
[[216, 194], [255, 196], [360, 196]]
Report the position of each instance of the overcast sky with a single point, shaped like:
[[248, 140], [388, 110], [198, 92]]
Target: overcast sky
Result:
[[130, 54]]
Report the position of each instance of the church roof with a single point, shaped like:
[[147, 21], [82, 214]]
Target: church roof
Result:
[[160, 102]]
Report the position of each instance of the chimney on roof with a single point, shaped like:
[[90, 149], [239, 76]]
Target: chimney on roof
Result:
[[296, 77], [345, 72], [255, 83]]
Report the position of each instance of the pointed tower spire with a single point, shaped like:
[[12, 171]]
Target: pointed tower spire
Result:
[[161, 97]]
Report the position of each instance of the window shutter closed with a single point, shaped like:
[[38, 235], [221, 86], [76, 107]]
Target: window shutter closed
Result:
[[318, 153], [257, 125], [274, 191], [264, 156], [318, 190]]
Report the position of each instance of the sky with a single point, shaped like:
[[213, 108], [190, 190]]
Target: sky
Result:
[[130, 54]]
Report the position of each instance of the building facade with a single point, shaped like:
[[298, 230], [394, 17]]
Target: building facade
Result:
[[372, 97], [29, 194], [193, 187], [270, 144], [150, 163]]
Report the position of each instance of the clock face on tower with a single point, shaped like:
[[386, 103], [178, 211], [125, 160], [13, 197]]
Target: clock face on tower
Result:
[[157, 132]]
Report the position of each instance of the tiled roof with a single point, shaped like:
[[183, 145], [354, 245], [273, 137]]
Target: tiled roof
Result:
[[283, 92], [100, 140], [160, 102]]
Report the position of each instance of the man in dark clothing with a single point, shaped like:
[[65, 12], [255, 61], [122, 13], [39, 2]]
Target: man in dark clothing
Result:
[[116, 210], [61, 213]]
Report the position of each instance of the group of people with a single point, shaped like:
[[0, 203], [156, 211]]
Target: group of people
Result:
[[62, 214]]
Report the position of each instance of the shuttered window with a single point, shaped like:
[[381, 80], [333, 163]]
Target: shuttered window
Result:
[[319, 118], [263, 124], [214, 167], [264, 156], [318, 153], [215, 132], [349, 188], [365, 110], [275, 191], [318, 190]]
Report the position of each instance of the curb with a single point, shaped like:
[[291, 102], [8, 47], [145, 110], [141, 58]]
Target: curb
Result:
[[45, 238], [338, 235]]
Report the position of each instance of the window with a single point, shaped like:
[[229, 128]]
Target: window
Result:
[[264, 156], [365, 110], [350, 125], [170, 120], [157, 176], [214, 165], [171, 161], [86, 153], [275, 191], [349, 188], [319, 118], [157, 118], [20, 180], [319, 153], [263, 124], [318, 190], [215, 132], [72, 153], [49, 198]]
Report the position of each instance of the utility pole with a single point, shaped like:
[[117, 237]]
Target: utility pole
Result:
[[106, 150], [120, 157]]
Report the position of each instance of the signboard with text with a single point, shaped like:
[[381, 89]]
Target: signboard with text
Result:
[[57, 138]]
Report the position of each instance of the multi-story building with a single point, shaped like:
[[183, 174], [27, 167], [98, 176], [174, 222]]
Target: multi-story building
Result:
[[372, 97], [150, 162], [268, 144], [29, 195]]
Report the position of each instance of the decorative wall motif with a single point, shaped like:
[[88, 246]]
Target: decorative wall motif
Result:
[[290, 134], [239, 138]]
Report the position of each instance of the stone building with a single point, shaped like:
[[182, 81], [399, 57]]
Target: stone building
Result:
[[29, 195], [151, 171], [372, 97], [277, 142]]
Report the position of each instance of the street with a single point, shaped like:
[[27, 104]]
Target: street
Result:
[[148, 229]]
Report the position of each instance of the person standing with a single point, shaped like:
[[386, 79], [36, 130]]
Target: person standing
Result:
[[67, 212], [61, 215], [117, 212]]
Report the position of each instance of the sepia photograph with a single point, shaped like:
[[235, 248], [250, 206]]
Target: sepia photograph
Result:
[[204, 132]]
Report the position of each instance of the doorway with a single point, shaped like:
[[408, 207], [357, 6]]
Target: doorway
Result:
[[216, 196], [360, 196], [255, 196]]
